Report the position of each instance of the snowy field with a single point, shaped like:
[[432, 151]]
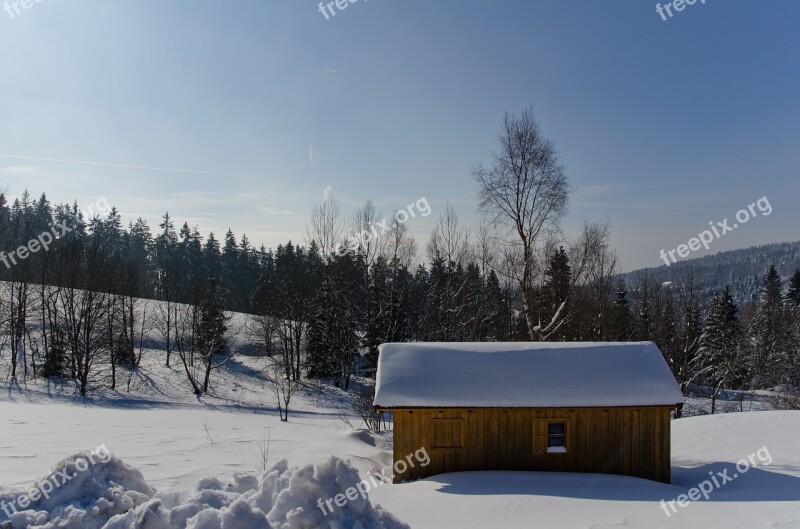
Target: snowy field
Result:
[[165, 442]]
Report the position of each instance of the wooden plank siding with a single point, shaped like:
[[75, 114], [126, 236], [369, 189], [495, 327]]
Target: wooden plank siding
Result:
[[628, 441]]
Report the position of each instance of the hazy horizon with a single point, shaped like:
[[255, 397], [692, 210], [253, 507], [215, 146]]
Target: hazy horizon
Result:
[[244, 116]]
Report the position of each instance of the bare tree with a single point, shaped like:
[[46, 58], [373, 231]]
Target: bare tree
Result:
[[485, 248], [326, 226], [525, 192], [166, 320], [262, 329], [593, 266], [400, 249], [449, 240], [290, 332], [592, 285], [20, 230], [283, 388], [362, 404], [787, 399], [145, 324], [263, 449], [198, 346], [447, 250], [366, 230], [85, 332], [186, 321]]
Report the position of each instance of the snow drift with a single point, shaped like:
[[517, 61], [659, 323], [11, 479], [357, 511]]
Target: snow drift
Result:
[[114, 495]]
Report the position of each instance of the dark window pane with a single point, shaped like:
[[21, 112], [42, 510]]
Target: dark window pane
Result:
[[555, 441], [555, 428]]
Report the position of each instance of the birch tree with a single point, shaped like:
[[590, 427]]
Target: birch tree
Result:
[[525, 194]]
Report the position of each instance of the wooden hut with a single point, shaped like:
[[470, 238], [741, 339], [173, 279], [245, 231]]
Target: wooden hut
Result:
[[574, 407]]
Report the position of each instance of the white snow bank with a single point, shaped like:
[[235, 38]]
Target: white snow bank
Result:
[[72, 496], [524, 374], [113, 495]]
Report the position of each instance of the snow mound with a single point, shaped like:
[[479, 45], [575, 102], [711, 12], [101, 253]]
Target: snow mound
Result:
[[113, 495], [80, 492]]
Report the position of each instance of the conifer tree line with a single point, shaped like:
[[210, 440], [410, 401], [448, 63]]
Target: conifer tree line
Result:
[[717, 345], [86, 307], [75, 310]]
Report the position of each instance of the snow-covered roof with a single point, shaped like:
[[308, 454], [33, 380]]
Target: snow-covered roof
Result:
[[523, 374]]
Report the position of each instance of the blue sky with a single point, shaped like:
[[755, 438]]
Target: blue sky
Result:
[[662, 126]]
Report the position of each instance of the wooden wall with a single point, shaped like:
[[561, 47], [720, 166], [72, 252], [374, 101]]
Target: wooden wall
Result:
[[628, 441]]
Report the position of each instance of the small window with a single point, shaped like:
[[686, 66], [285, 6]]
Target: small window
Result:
[[556, 437]]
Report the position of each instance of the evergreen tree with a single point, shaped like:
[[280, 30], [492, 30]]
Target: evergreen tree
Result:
[[212, 256], [473, 306], [136, 278], [793, 294], [621, 320], [665, 333], [793, 328], [229, 277], [556, 291], [438, 323], [318, 339], [378, 315], [333, 330], [770, 333], [691, 331], [139, 255], [721, 347], [212, 323], [168, 280], [210, 334], [419, 311], [643, 309], [165, 257], [248, 276], [402, 305]]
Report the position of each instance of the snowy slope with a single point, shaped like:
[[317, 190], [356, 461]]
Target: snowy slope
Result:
[[175, 441], [212, 446], [160, 427]]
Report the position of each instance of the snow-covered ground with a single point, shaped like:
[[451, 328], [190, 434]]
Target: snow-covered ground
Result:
[[765, 496], [174, 441]]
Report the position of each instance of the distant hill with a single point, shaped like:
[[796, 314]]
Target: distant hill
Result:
[[742, 269]]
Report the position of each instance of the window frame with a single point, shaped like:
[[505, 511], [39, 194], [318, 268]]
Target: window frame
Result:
[[457, 422], [565, 436]]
